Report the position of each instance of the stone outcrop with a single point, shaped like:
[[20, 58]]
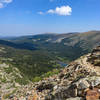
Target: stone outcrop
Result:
[[94, 58], [74, 82]]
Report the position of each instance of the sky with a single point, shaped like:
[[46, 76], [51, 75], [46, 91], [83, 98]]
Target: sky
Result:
[[26, 17]]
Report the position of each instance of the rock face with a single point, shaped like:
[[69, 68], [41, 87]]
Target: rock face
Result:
[[44, 86], [75, 81], [80, 80], [94, 58]]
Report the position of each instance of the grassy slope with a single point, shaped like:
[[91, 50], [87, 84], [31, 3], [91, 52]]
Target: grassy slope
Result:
[[30, 63]]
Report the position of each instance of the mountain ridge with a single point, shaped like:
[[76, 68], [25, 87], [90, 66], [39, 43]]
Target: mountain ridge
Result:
[[87, 40]]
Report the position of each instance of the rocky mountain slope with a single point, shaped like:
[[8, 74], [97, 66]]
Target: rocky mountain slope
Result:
[[80, 80], [10, 79]]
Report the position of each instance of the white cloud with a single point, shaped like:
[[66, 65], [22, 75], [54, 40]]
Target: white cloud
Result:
[[4, 2], [63, 11], [1, 5], [50, 11]]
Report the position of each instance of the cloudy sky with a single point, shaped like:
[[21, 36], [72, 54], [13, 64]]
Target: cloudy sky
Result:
[[24, 17]]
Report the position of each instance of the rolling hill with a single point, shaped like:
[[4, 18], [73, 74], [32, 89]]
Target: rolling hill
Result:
[[68, 46]]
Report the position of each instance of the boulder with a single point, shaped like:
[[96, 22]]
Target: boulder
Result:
[[44, 86], [77, 98]]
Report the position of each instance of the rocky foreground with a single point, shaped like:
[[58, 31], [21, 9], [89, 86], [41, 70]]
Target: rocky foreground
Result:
[[80, 80]]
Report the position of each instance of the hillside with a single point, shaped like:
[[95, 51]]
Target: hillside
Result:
[[10, 79], [69, 46], [17, 46], [30, 63], [38, 54]]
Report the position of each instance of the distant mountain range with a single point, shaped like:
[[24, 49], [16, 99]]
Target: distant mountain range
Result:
[[69, 46]]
